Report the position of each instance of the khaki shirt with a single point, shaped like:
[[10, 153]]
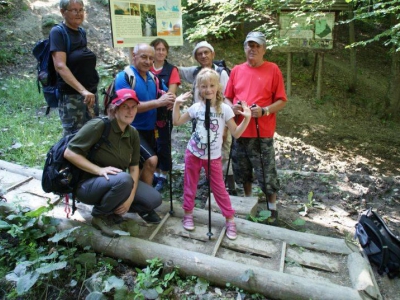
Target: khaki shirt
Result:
[[122, 150]]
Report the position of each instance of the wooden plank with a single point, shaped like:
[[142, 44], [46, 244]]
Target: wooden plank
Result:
[[283, 257], [315, 260], [308, 273], [18, 184], [249, 260], [159, 226], [219, 241], [247, 244]]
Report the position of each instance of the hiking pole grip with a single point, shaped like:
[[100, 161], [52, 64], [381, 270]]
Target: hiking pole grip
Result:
[[207, 125]]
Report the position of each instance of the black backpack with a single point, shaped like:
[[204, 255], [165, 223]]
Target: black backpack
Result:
[[46, 73], [221, 66], [379, 243], [60, 176]]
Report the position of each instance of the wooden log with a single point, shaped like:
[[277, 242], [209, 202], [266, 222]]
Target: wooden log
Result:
[[243, 206], [218, 271], [361, 275], [35, 173]]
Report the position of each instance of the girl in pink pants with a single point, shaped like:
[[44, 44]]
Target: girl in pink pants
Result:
[[196, 155]]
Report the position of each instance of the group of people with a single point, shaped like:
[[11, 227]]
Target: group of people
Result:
[[127, 173]]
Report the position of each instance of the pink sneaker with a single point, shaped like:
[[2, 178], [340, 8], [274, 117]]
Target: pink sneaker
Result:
[[188, 223], [231, 230]]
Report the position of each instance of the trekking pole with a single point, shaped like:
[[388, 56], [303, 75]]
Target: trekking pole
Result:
[[229, 162], [207, 125], [230, 153], [261, 157], [171, 212]]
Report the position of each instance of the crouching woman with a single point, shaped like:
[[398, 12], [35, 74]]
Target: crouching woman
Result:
[[106, 185]]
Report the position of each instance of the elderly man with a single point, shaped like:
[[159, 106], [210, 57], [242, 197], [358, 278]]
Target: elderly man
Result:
[[260, 84], [150, 99], [204, 53]]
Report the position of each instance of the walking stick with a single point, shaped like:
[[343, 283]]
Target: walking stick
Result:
[[261, 157], [207, 125], [229, 162], [171, 212], [230, 155]]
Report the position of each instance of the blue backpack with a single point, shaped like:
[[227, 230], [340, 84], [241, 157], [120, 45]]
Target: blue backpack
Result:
[[46, 73]]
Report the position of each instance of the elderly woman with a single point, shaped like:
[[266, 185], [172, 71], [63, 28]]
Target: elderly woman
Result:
[[77, 78], [105, 185]]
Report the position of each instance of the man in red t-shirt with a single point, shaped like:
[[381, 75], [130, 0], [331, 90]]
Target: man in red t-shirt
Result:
[[260, 84]]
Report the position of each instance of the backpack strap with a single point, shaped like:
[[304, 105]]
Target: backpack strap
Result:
[[65, 35], [103, 138], [130, 77]]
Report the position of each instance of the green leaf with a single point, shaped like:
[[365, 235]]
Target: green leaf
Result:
[[26, 282], [59, 236], [4, 225], [37, 212], [113, 282], [265, 214], [299, 222], [201, 286], [47, 268]]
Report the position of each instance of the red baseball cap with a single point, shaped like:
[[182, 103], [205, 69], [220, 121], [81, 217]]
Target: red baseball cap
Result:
[[123, 95]]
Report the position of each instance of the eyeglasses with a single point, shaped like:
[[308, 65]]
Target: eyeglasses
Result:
[[76, 11]]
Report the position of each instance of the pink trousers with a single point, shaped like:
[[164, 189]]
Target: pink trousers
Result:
[[193, 167]]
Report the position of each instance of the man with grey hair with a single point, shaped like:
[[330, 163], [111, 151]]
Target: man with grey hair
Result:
[[260, 84], [150, 99], [204, 53]]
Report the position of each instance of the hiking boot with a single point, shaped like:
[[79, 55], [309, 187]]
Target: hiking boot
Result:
[[107, 224], [231, 230], [150, 217], [118, 219], [162, 182], [273, 219], [187, 222]]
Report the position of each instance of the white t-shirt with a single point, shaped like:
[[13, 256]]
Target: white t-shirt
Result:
[[197, 144]]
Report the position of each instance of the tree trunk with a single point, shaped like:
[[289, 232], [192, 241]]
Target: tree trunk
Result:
[[392, 99], [353, 61]]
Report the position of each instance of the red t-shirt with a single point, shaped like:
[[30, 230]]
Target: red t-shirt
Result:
[[263, 86]]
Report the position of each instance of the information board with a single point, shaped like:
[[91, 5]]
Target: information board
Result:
[[141, 21], [305, 32]]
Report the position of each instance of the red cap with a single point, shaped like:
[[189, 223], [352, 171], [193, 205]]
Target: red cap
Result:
[[123, 95]]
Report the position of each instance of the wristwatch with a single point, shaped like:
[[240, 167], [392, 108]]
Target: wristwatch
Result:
[[265, 110]]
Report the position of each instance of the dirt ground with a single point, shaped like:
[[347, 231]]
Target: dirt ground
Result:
[[334, 156]]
